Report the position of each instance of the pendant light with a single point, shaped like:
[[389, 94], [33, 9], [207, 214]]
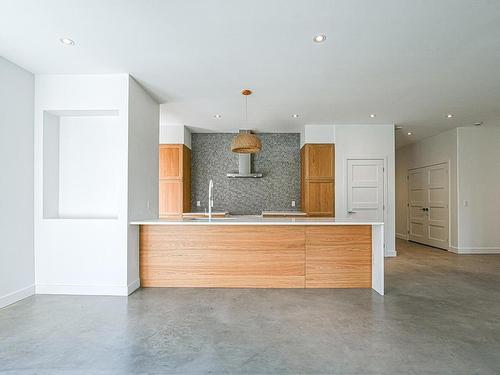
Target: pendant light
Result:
[[246, 142]]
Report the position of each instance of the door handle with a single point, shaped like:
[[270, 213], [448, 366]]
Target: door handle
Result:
[[424, 209], [351, 212]]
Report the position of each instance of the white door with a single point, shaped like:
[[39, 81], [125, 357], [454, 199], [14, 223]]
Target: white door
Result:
[[365, 189], [428, 205]]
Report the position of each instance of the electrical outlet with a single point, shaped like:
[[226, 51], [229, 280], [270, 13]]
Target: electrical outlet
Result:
[[198, 203], [293, 203]]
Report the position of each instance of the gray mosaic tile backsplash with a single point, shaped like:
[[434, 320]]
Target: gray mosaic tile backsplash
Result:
[[279, 161]]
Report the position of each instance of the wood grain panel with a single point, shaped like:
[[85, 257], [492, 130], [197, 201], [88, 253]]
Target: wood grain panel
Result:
[[317, 179], [170, 197], [170, 161], [319, 161], [223, 281], [320, 198], [222, 256], [174, 180], [338, 257], [256, 256]]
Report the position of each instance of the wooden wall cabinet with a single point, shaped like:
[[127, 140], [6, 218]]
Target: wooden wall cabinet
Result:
[[174, 180], [317, 184]]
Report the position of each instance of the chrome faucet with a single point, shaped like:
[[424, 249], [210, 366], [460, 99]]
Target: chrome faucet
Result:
[[210, 199]]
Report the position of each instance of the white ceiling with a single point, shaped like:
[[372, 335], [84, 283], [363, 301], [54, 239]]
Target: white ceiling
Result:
[[409, 61]]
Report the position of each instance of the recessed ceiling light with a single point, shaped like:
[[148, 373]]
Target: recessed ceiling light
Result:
[[449, 115], [410, 133], [295, 115], [217, 116], [67, 41], [320, 38], [373, 115]]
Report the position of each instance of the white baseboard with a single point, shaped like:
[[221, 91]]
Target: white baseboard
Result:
[[18, 295], [475, 250], [390, 253], [402, 236], [84, 290], [133, 286]]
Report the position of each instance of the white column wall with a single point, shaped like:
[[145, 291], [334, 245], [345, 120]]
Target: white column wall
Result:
[[142, 171], [88, 255], [478, 190], [16, 185]]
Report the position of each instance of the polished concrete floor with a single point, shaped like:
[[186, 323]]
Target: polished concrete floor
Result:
[[441, 315]]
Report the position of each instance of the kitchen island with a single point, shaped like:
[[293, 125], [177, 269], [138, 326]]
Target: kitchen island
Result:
[[257, 252]]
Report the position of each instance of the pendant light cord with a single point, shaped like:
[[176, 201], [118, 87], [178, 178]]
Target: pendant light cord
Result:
[[246, 109]]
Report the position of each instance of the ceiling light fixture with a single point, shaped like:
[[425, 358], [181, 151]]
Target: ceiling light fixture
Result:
[[67, 41], [320, 38], [295, 115], [373, 115], [410, 133], [449, 115], [218, 116], [246, 142]]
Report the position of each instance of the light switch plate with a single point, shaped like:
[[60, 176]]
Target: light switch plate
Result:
[[293, 203], [198, 204]]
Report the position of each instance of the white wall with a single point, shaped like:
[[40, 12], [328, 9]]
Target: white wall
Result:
[[187, 137], [175, 134], [366, 141], [172, 133], [438, 149], [474, 161], [107, 175], [16, 184], [88, 178], [142, 170], [82, 255], [478, 190], [317, 134], [401, 196], [51, 165]]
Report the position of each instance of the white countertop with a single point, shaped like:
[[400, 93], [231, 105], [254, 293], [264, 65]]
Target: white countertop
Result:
[[283, 213], [257, 220]]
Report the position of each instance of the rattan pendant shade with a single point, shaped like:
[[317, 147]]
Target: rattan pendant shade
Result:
[[246, 143]]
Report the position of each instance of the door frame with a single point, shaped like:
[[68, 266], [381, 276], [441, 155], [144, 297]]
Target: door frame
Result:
[[447, 162], [384, 158]]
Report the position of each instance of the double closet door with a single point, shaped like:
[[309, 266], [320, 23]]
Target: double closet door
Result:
[[428, 197]]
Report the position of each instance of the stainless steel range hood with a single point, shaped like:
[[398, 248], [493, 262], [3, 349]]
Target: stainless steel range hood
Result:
[[244, 168]]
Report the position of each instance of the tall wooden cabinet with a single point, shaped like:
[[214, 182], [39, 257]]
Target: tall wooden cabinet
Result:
[[174, 180], [318, 179]]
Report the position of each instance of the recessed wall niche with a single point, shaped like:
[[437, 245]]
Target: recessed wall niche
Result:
[[80, 164]]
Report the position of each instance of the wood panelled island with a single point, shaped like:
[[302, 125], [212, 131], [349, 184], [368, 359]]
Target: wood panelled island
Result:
[[255, 252]]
